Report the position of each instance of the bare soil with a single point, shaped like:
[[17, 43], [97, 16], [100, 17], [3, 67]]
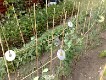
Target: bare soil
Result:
[[90, 65]]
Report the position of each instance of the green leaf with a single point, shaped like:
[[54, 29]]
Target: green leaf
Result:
[[103, 54], [45, 70], [36, 78]]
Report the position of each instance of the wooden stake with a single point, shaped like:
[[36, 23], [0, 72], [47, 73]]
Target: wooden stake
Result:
[[36, 41], [4, 58], [18, 25]]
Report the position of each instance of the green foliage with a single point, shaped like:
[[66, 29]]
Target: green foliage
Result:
[[45, 76], [18, 4], [2, 68], [104, 73], [102, 54], [26, 20], [28, 52], [73, 46]]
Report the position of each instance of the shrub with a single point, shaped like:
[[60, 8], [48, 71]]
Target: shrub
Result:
[[12, 31]]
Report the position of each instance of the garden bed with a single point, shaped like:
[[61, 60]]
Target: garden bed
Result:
[[11, 30], [76, 39]]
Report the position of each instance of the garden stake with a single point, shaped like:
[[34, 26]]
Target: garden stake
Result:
[[53, 18], [86, 41], [64, 23], [18, 25], [47, 21], [73, 10], [86, 45], [90, 24], [51, 56], [85, 20], [48, 35], [29, 8], [35, 34], [77, 18], [84, 25], [78, 27], [64, 20], [3, 30], [64, 6], [88, 6], [5, 59], [51, 44], [46, 6]]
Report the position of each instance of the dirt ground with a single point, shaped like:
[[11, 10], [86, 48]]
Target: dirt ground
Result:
[[90, 65]]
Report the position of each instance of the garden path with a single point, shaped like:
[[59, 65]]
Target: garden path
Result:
[[90, 65]]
